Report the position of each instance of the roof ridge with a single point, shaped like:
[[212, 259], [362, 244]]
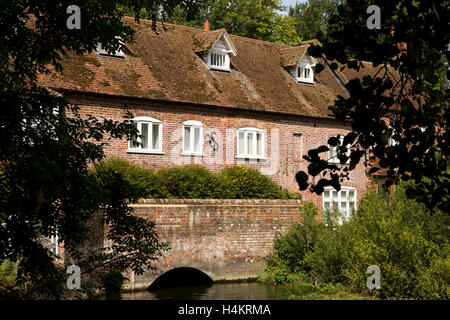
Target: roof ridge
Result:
[[259, 41], [223, 29]]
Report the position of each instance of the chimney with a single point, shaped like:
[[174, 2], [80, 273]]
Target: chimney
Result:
[[206, 26]]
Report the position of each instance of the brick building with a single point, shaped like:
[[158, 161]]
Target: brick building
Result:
[[210, 98]]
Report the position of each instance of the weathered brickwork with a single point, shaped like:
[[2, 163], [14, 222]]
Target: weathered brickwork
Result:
[[226, 239], [288, 138]]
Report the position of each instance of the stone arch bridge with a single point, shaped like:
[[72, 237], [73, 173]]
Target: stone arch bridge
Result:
[[224, 239]]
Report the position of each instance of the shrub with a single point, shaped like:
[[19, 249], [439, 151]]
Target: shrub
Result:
[[402, 239], [409, 243], [240, 182], [112, 282], [137, 182], [331, 255], [188, 182], [434, 282], [293, 248], [8, 274]]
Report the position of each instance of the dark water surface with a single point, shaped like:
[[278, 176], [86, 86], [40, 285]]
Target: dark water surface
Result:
[[217, 291]]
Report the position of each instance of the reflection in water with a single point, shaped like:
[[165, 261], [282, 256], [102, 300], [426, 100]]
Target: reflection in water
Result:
[[218, 291]]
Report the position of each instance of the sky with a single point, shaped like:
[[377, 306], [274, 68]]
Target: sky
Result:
[[288, 3]]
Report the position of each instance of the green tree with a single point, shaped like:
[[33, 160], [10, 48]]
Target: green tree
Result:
[[45, 185], [411, 53], [257, 19], [192, 13], [311, 17]]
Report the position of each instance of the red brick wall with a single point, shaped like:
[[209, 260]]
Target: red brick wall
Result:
[[284, 147], [226, 239]]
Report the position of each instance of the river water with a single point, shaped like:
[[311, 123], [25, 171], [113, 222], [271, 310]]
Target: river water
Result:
[[216, 291]]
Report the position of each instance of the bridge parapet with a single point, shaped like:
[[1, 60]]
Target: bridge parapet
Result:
[[225, 238]]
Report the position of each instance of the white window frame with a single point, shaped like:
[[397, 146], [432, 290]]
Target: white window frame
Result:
[[254, 132], [392, 141], [192, 124], [226, 62], [332, 152], [150, 121], [118, 53], [54, 246], [342, 196], [301, 69]]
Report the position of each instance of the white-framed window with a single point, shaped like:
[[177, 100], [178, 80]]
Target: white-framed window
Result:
[[392, 141], [54, 246], [304, 73], [192, 138], [250, 143], [118, 53], [343, 200], [218, 60], [150, 136], [332, 152]]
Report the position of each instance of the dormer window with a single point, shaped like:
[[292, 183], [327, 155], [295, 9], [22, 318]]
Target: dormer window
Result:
[[298, 63], [215, 49], [304, 70], [102, 51], [304, 74], [219, 60]]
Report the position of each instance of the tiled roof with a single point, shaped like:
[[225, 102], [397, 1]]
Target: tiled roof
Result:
[[205, 40], [292, 56], [165, 65]]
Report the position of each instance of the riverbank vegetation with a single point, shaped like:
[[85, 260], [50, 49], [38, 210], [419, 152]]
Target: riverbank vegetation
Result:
[[409, 243], [193, 182]]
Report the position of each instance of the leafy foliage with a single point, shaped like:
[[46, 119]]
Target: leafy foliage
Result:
[[290, 262], [191, 182], [411, 85], [45, 185], [194, 182], [410, 245], [254, 19], [239, 182], [311, 17]]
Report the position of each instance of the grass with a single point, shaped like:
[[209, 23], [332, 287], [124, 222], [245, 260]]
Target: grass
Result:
[[307, 291]]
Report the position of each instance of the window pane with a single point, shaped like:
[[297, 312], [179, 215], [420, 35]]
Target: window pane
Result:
[[307, 73], [144, 133], [343, 194], [250, 143], [331, 153], [352, 205], [187, 139], [326, 206], [326, 195], [197, 139], [155, 136], [134, 139], [259, 144], [351, 194], [335, 196], [241, 143]]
